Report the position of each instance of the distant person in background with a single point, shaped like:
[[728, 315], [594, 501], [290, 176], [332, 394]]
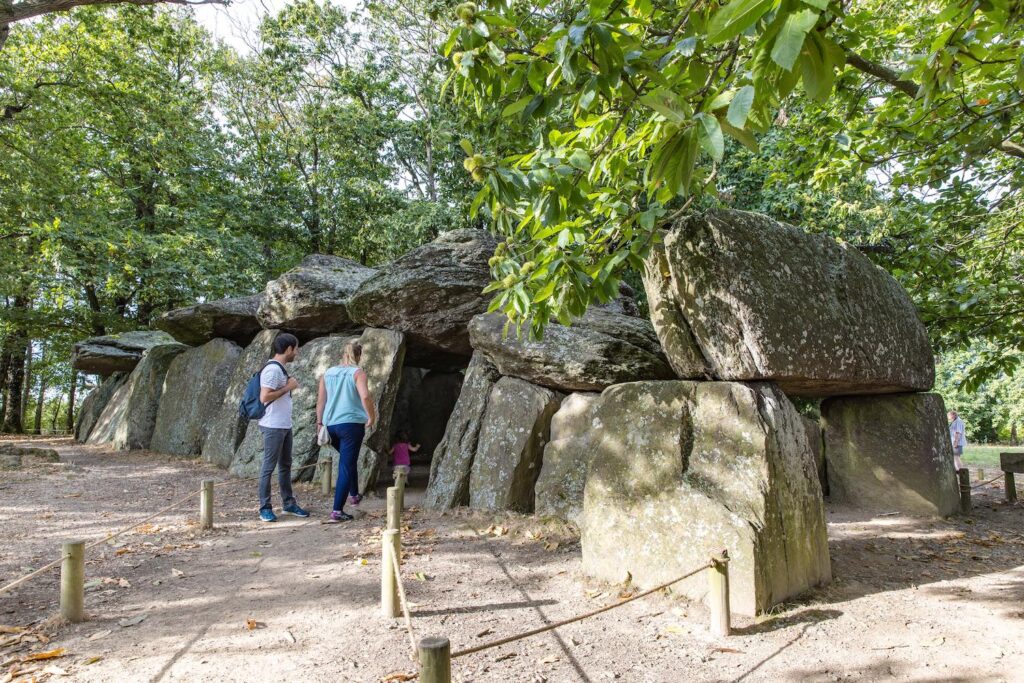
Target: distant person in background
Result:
[[345, 406], [958, 437], [276, 427]]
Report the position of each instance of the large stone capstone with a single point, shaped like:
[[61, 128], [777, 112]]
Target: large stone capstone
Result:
[[767, 301], [453, 457], [431, 294], [233, 319], [683, 469], [115, 352], [312, 299], [93, 405], [514, 431], [890, 454], [599, 349], [194, 389], [312, 362], [227, 428], [567, 455], [129, 417]]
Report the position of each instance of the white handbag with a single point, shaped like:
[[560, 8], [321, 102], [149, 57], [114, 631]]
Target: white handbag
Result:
[[323, 437]]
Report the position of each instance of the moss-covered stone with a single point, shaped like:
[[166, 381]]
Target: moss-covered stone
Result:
[[683, 469], [567, 455], [890, 453]]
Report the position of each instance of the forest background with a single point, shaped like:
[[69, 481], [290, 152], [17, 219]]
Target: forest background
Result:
[[147, 165]]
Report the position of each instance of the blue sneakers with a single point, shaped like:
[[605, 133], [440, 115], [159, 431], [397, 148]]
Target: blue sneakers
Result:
[[294, 509], [268, 516]]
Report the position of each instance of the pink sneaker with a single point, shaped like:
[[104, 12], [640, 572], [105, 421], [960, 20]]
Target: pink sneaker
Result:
[[355, 500]]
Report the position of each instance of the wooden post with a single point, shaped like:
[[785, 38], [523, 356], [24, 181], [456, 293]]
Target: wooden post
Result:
[[325, 476], [72, 581], [400, 478], [389, 602], [394, 509], [1011, 487], [979, 474], [965, 489], [718, 594], [435, 660], [206, 504]]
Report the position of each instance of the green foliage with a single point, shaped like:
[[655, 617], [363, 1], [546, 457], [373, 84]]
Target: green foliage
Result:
[[631, 104], [992, 410]]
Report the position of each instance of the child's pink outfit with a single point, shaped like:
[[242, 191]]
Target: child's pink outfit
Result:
[[401, 454]]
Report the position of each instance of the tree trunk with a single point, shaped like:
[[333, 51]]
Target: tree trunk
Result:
[[40, 397], [70, 424], [15, 385], [5, 369], [1013, 433], [26, 385], [56, 413]]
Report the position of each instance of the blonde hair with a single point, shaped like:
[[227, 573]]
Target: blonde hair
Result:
[[352, 353]]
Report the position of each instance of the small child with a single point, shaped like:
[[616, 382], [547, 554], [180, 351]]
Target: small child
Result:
[[400, 452]]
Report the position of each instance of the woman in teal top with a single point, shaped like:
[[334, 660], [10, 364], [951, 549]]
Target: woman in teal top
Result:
[[345, 406]]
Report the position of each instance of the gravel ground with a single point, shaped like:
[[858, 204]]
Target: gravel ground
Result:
[[913, 599]]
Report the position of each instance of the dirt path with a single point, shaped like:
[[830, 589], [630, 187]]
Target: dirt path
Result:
[[913, 599]]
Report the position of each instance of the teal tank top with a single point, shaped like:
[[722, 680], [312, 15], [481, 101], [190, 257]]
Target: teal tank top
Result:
[[343, 403]]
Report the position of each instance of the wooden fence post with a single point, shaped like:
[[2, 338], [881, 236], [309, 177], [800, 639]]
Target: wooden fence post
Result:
[[718, 594], [325, 476], [72, 581], [389, 602], [435, 660], [964, 476], [400, 478], [206, 505], [1011, 487], [394, 509]]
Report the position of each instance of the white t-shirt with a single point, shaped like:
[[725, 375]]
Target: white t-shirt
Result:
[[279, 412], [956, 433]]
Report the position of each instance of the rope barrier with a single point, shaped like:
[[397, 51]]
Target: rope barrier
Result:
[[106, 539], [551, 627], [405, 604], [999, 476]]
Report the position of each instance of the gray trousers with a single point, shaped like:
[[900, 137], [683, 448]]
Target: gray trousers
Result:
[[277, 452]]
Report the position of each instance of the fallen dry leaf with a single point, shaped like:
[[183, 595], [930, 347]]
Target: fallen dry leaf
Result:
[[420, 576], [252, 624], [550, 659], [399, 676], [50, 654], [131, 621], [11, 629], [100, 634], [92, 660], [553, 545], [177, 572]]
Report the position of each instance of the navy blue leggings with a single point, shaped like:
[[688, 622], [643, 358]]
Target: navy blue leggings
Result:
[[346, 439]]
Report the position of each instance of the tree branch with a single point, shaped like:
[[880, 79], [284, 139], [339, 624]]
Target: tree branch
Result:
[[26, 9], [910, 89]]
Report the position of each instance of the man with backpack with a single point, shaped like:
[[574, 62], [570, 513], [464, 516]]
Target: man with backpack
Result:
[[275, 397]]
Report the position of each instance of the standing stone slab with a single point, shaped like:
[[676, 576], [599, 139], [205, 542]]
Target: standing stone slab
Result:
[[93, 405], [383, 354], [128, 420], [599, 349], [227, 429], [768, 301], [453, 458], [233, 319], [817, 440], [115, 352], [515, 429], [683, 469], [312, 299], [890, 453], [194, 390], [312, 362], [430, 294], [563, 473]]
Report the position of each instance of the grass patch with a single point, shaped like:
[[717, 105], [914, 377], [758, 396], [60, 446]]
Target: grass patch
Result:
[[986, 456]]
